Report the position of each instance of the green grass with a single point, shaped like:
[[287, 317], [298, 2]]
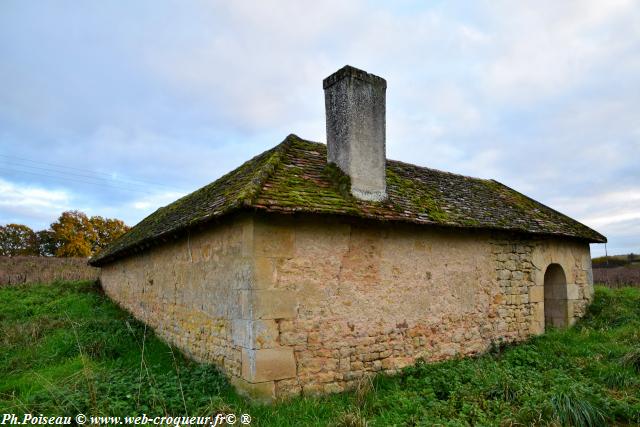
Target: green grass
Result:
[[66, 349]]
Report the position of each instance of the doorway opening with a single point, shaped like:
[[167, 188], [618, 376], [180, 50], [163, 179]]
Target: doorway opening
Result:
[[555, 297]]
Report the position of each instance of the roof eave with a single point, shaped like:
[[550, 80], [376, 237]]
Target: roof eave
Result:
[[177, 233]]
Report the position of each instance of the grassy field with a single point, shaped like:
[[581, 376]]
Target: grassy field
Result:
[[66, 349]]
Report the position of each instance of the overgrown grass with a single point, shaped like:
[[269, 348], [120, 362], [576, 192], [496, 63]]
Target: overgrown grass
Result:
[[66, 349]]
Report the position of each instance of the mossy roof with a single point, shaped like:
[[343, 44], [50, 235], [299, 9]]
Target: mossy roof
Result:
[[294, 177]]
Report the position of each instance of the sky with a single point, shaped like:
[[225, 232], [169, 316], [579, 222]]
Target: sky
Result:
[[117, 108]]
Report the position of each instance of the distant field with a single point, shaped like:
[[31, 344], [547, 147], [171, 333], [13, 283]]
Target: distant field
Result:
[[615, 271], [67, 349], [617, 277]]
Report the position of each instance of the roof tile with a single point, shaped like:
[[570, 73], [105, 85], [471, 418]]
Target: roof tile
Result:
[[295, 177]]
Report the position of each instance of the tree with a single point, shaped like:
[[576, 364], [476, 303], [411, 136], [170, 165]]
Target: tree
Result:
[[106, 230], [17, 239], [75, 234], [72, 235], [47, 243]]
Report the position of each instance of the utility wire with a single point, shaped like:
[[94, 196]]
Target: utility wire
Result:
[[73, 180], [56, 165], [105, 176], [99, 180]]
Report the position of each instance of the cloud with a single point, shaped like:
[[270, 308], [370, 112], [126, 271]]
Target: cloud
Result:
[[22, 203], [541, 96], [548, 48], [615, 213]]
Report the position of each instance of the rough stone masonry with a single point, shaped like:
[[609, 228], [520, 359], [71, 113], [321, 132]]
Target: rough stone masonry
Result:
[[310, 305], [298, 277]]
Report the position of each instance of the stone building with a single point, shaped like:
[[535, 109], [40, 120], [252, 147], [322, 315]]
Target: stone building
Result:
[[312, 265]]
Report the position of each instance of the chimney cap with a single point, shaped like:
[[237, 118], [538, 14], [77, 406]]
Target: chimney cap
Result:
[[349, 71]]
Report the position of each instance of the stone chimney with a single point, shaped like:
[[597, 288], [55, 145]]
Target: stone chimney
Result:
[[355, 107]]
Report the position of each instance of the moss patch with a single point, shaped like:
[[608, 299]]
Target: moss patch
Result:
[[339, 179], [294, 177], [422, 198]]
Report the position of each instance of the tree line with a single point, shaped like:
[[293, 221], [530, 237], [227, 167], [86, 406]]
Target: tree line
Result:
[[74, 234], [615, 261]]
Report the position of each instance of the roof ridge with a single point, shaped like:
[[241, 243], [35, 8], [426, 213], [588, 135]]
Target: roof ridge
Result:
[[400, 162], [248, 196]]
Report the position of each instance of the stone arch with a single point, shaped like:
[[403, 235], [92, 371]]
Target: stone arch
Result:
[[556, 312]]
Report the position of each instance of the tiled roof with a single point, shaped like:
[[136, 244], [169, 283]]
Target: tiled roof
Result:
[[294, 177]]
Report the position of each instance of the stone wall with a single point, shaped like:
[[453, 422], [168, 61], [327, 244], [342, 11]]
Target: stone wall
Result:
[[188, 291], [288, 305], [575, 260], [15, 270], [374, 298]]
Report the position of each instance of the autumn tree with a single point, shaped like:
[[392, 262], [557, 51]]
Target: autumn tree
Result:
[[17, 239], [74, 232], [72, 235], [76, 235], [106, 230]]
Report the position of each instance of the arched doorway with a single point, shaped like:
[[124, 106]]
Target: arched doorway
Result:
[[555, 297]]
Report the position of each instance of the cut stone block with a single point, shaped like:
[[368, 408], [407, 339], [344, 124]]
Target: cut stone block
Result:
[[537, 328], [264, 274], [538, 312], [536, 294], [247, 237], [268, 304], [570, 312], [263, 392], [573, 291], [255, 334], [268, 364], [273, 240]]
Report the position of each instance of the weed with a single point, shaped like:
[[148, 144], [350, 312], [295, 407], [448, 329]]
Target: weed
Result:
[[351, 419], [632, 359], [363, 388], [616, 378], [570, 408], [505, 388]]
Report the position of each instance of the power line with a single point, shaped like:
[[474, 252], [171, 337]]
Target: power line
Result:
[[100, 180], [74, 180], [56, 165], [106, 176]]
